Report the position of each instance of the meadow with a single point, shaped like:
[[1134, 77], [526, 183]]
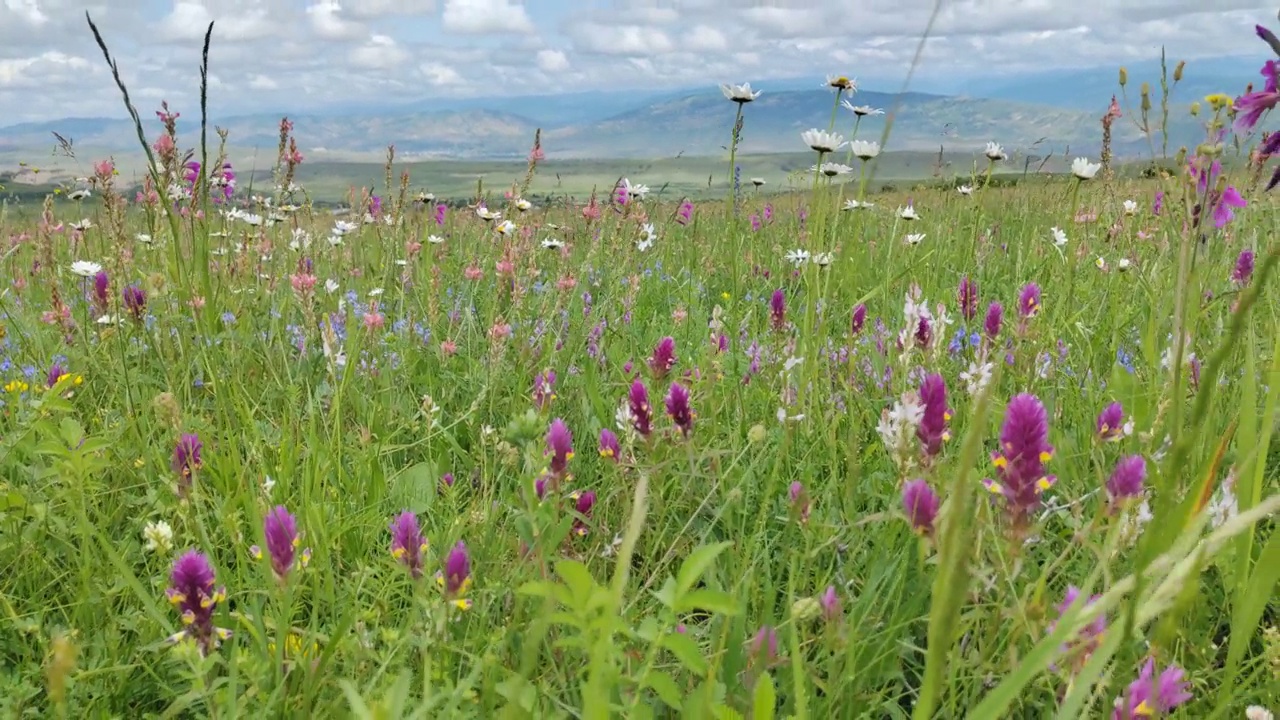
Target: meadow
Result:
[[959, 451]]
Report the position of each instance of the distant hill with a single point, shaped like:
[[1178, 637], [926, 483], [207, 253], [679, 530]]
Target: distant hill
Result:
[[643, 125]]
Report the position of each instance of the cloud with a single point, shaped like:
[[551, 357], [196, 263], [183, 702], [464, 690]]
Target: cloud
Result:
[[439, 74], [552, 61], [328, 21], [637, 40], [379, 53], [27, 10], [47, 68], [486, 16]]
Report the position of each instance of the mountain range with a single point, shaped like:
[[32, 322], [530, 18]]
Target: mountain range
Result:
[[1035, 114]]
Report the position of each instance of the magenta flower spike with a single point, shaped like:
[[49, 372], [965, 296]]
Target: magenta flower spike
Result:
[[967, 296], [1024, 450], [408, 544], [1150, 696], [800, 505], [1110, 423], [192, 592], [1127, 479], [832, 609], [56, 371], [583, 503], [763, 649], [544, 389], [134, 299], [609, 448], [1090, 636], [859, 318], [455, 580], [186, 459], [995, 317], [280, 530], [663, 358], [778, 310], [559, 447], [102, 290], [1250, 106], [920, 504], [932, 430], [641, 413], [1243, 269], [678, 408], [1029, 300]]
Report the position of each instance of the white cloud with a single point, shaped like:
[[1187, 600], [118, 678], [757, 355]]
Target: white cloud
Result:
[[380, 53], [28, 10], [48, 67], [369, 9], [552, 61], [704, 38], [262, 82], [440, 74], [486, 16], [637, 40], [328, 21]]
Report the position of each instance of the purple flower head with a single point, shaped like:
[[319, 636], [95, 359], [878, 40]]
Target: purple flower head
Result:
[[101, 290], [559, 447], [135, 300], [1024, 450], [1029, 300], [1243, 269], [540, 485], [641, 413], [1089, 637], [441, 210], [1219, 197], [762, 652], [995, 316], [921, 506], [192, 593], [583, 504], [663, 358], [859, 318], [924, 332], [609, 445], [685, 214], [932, 430], [56, 371], [375, 206], [1110, 424], [1250, 106], [1150, 696], [408, 544], [800, 505], [186, 455], [831, 606], [1127, 479], [1157, 205], [778, 310], [280, 529], [544, 389], [447, 480], [455, 580], [678, 407], [968, 298]]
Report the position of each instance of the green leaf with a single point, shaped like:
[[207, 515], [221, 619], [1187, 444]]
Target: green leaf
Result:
[[665, 688], [667, 594], [709, 600], [763, 700], [696, 564], [71, 431], [578, 578], [687, 652], [414, 488]]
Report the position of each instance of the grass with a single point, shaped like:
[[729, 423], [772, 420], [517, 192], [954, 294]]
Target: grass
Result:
[[755, 558]]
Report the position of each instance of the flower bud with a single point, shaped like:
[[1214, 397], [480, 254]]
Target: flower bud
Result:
[[1124, 76], [805, 609], [1177, 71]]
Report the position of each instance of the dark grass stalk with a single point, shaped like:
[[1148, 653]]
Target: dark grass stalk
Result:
[[200, 241]]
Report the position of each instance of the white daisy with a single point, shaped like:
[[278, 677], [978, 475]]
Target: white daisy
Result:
[[634, 192], [552, 243], [85, 268], [486, 214], [1101, 262], [908, 212], [798, 257], [757, 181], [650, 237], [914, 238], [78, 195], [82, 225], [331, 286], [861, 110], [1059, 236], [739, 93], [965, 190], [506, 227], [1083, 169], [865, 149], [858, 205], [831, 169], [842, 82], [823, 259], [523, 205], [143, 238], [822, 140], [342, 227], [435, 239], [1123, 265], [376, 292], [995, 152], [1130, 207]]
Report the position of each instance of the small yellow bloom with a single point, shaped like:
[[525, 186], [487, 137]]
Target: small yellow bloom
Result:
[[725, 295], [1046, 456], [1000, 461], [1218, 101]]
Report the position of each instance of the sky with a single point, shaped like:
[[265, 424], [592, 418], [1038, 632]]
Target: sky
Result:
[[307, 55]]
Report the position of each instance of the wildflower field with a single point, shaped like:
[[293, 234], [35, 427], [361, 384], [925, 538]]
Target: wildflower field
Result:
[[959, 451]]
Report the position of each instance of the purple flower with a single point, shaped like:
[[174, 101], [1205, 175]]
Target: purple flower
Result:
[[1029, 300], [455, 580], [559, 447], [778, 310], [192, 592], [1157, 206], [102, 290], [1110, 424], [831, 606], [583, 503], [1250, 106], [1220, 201], [800, 505], [859, 318], [641, 414], [1127, 479], [186, 455], [685, 214], [408, 544], [56, 372], [440, 213], [609, 445], [544, 385], [995, 315], [968, 298], [678, 407], [280, 530], [1150, 696], [1025, 448], [762, 652], [135, 300], [447, 480], [932, 430], [1089, 637], [1243, 269], [663, 358], [924, 332], [921, 506]]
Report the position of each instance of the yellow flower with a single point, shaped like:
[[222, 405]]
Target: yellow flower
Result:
[[1218, 101], [16, 386]]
